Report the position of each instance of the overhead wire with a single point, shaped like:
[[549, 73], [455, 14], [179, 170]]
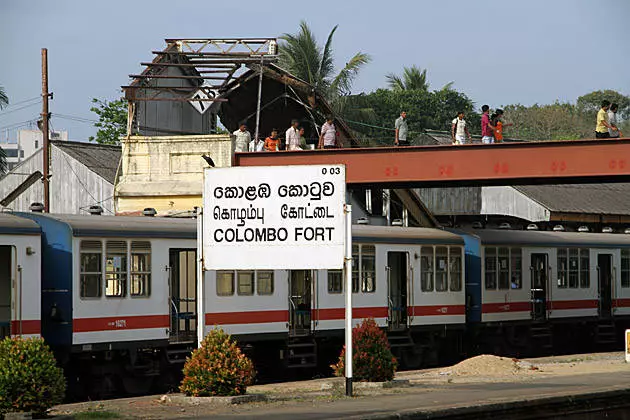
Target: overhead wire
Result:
[[3, 113]]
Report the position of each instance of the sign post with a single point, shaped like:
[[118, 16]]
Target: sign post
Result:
[[201, 307], [348, 273]]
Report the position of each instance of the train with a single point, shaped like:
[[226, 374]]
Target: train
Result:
[[116, 297]]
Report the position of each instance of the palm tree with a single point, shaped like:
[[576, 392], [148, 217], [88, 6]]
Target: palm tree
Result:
[[4, 99], [303, 57], [413, 78]]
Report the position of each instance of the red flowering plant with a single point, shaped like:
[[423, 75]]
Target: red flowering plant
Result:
[[372, 357], [218, 367], [30, 380]]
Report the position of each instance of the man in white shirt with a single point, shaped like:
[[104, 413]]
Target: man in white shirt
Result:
[[612, 120], [459, 131], [401, 130], [292, 136], [241, 143], [328, 137]]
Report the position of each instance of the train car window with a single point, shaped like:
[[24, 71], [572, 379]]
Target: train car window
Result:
[[455, 268], [225, 283], [356, 267], [368, 268], [490, 258], [504, 268], [625, 268], [426, 269], [335, 281], [140, 268], [115, 268], [244, 283], [441, 269], [516, 267], [563, 271], [585, 273], [91, 273], [574, 261], [264, 283]]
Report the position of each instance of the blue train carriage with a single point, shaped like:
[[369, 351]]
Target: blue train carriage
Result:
[[549, 290], [117, 294], [20, 254]]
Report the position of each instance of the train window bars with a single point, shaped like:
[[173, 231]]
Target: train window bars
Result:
[[225, 283], [490, 256], [573, 268], [426, 268], [264, 282], [455, 268], [368, 268], [140, 268], [356, 266], [625, 268], [516, 264], [585, 273], [91, 254], [335, 281], [115, 268], [244, 283], [504, 268], [441, 269]]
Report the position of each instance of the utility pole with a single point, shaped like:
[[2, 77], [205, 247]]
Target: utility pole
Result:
[[45, 125]]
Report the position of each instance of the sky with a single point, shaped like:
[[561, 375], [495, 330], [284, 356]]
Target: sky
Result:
[[497, 52]]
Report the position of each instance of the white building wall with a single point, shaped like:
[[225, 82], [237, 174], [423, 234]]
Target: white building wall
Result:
[[510, 202]]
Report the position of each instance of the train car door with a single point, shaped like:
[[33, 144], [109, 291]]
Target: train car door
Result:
[[605, 282], [6, 292], [300, 302], [397, 281], [540, 281], [183, 295]]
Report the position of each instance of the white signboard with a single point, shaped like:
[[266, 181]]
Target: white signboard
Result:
[[200, 102], [283, 217]]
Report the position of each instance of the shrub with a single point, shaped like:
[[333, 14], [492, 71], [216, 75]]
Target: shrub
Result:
[[30, 379], [372, 357], [218, 367]]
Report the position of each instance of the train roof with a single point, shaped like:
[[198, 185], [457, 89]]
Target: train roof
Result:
[[542, 238], [14, 225], [127, 226], [404, 235]]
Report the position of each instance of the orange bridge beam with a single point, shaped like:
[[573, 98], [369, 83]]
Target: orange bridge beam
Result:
[[550, 162]]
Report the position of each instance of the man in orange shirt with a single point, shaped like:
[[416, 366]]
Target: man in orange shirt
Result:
[[272, 142], [498, 132]]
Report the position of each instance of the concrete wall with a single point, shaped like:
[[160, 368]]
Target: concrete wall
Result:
[[73, 186], [166, 172]]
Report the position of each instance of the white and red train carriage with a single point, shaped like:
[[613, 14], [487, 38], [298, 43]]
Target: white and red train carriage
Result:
[[20, 287]]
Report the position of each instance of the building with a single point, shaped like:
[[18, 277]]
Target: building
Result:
[[82, 175], [28, 142]]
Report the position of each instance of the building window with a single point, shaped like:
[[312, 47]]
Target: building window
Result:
[[516, 264], [625, 268], [356, 266], [335, 281], [115, 268], [11, 153], [140, 268], [22, 154], [491, 268], [91, 256], [503, 264], [563, 271], [426, 268], [36, 144], [264, 282], [225, 283], [441, 269], [368, 268], [455, 271], [585, 269], [245, 283]]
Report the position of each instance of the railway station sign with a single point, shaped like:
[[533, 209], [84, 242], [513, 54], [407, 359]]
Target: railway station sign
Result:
[[274, 217]]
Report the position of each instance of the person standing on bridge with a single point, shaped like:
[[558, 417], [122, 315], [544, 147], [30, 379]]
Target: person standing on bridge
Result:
[[292, 136], [612, 119], [602, 127], [328, 136], [459, 131], [487, 129], [401, 130], [242, 138]]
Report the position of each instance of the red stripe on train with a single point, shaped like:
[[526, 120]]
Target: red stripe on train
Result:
[[573, 304], [115, 323], [493, 308], [430, 310], [621, 303], [330, 314], [248, 317], [26, 327]]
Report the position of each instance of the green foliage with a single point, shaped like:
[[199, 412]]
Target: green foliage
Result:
[[302, 56], [218, 367], [412, 79], [112, 120], [371, 357], [4, 99], [30, 379], [592, 102]]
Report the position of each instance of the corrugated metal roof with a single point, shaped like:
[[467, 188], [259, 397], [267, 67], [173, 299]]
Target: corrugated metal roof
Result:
[[100, 158], [14, 225], [581, 198], [547, 238]]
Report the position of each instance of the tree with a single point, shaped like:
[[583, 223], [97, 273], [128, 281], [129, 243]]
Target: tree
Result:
[[4, 99], [592, 102], [301, 55], [112, 120], [412, 79]]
